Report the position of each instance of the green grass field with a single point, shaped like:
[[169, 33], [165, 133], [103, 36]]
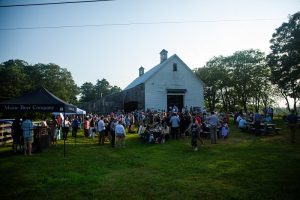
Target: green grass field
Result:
[[241, 167]]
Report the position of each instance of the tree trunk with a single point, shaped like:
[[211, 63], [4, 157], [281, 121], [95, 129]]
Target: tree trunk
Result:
[[295, 105], [227, 100], [286, 99], [245, 105], [287, 103]]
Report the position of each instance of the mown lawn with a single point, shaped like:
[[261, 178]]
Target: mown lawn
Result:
[[241, 167]]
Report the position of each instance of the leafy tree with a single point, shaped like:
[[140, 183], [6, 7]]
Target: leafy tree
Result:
[[57, 80], [13, 79], [88, 93], [17, 78], [102, 88], [234, 82], [284, 59], [115, 89], [248, 74], [210, 75], [224, 84]]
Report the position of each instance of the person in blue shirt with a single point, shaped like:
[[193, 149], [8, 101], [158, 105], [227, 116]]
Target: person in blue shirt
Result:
[[225, 131], [268, 119], [75, 126], [27, 127], [242, 124], [175, 125]]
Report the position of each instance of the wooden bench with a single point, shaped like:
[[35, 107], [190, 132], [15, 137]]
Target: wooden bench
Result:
[[277, 130]]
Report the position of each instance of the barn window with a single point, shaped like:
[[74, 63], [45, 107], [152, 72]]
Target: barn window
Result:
[[174, 67]]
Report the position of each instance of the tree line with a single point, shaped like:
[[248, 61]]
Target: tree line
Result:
[[251, 80], [17, 77], [239, 81], [102, 88]]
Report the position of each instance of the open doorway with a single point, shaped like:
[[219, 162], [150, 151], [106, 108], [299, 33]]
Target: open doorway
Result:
[[176, 100]]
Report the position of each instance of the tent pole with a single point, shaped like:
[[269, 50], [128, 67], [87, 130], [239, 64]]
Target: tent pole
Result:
[[64, 134], [77, 129], [64, 147]]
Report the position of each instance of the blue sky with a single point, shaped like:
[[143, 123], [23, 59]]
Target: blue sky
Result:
[[115, 52]]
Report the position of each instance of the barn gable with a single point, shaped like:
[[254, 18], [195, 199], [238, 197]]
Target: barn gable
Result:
[[143, 78], [149, 74], [173, 84]]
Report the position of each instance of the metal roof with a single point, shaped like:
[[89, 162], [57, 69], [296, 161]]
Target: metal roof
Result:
[[142, 79]]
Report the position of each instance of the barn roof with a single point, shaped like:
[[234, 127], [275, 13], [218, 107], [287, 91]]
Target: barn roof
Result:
[[142, 79]]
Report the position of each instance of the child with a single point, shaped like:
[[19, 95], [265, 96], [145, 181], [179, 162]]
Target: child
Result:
[[225, 131], [151, 138], [195, 133]]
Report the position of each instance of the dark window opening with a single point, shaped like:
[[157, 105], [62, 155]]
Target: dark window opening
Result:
[[174, 67]]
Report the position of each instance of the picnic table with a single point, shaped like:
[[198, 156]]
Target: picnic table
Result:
[[265, 128]]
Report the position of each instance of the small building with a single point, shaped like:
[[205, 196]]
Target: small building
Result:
[[169, 83]]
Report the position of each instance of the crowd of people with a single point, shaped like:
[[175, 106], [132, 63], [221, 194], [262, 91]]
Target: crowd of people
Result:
[[151, 126], [157, 127], [251, 121]]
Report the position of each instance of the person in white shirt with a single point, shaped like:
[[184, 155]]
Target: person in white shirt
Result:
[[101, 130], [66, 127], [141, 130], [120, 134]]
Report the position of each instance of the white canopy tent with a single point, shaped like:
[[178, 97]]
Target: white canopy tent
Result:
[[78, 112]]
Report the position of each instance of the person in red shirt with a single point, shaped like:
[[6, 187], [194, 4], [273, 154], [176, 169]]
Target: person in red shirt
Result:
[[198, 119], [58, 128]]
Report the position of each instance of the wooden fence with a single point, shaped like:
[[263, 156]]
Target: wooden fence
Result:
[[5, 134]]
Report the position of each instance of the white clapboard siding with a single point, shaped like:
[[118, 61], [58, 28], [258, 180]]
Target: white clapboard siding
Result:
[[157, 85]]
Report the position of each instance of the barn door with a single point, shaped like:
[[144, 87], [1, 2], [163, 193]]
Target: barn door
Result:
[[176, 100], [130, 106]]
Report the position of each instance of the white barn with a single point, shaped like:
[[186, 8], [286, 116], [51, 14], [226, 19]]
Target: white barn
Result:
[[169, 83]]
